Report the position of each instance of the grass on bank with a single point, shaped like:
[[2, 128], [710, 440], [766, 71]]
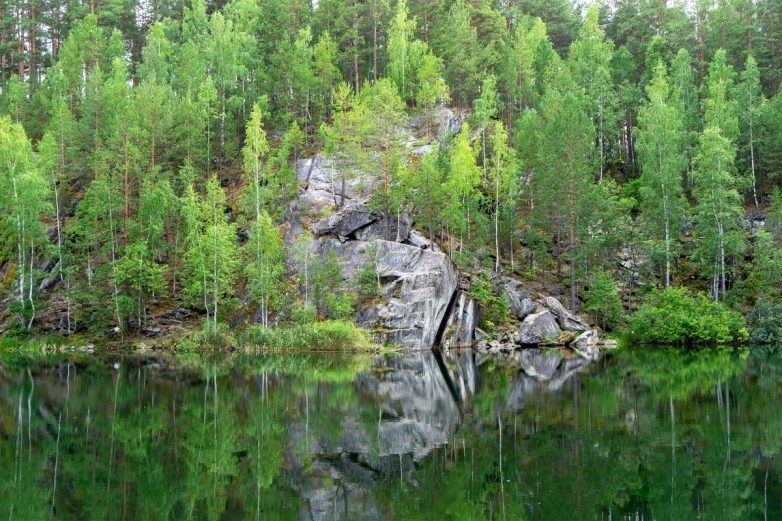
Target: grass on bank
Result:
[[328, 335]]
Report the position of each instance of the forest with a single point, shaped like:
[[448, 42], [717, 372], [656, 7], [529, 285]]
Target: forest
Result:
[[626, 151]]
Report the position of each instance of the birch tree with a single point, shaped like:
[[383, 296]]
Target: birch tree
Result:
[[661, 142], [24, 193], [751, 102], [718, 211]]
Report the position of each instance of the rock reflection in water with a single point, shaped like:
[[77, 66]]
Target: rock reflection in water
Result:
[[458, 435]]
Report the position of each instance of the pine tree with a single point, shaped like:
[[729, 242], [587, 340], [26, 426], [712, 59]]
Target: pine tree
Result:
[[457, 45], [326, 73], [565, 186]]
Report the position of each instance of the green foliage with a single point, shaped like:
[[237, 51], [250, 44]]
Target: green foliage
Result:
[[112, 117], [337, 335], [493, 304], [139, 279], [676, 317], [212, 335], [211, 260], [661, 142], [328, 288], [718, 213], [367, 278], [764, 322], [265, 265], [602, 301]]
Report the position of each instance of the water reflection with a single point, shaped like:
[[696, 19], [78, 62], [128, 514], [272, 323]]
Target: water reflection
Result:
[[652, 435]]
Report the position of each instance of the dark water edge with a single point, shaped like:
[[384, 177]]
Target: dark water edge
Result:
[[645, 434]]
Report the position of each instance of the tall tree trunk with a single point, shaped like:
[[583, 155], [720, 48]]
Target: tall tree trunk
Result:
[[375, 21], [355, 56], [752, 151], [20, 41], [572, 236], [32, 37], [497, 219]]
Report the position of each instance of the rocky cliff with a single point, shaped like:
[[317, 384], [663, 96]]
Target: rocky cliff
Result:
[[421, 303]]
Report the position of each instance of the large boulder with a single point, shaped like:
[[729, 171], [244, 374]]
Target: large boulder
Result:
[[346, 222], [398, 229], [417, 287], [540, 364], [586, 345], [538, 328], [566, 320], [417, 239], [520, 301], [460, 325]]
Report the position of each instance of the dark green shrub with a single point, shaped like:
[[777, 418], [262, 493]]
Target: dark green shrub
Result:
[[675, 316], [494, 307], [765, 323]]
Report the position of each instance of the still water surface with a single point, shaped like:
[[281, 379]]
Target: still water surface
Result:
[[643, 435]]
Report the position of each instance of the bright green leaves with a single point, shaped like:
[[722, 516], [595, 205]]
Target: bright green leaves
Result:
[[210, 261], [255, 149], [661, 142], [24, 194], [718, 212], [265, 253], [460, 185], [140, 279]]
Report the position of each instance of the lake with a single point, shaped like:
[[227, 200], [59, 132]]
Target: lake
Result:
[[648, 434]]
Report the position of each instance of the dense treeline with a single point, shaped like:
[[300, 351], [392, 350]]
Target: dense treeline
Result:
[[640, 130]]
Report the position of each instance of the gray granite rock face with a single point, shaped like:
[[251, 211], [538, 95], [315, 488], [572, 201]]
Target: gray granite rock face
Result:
[[398, 229], [539, 327], [346, 222], [417, 287], [520, 301], [566, 320], [461, 323]]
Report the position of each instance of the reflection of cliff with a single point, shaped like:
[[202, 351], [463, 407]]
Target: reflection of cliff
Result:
[[540, 371], [419, 398]]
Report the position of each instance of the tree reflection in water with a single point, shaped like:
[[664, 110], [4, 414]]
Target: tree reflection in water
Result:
[[650, 434]]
